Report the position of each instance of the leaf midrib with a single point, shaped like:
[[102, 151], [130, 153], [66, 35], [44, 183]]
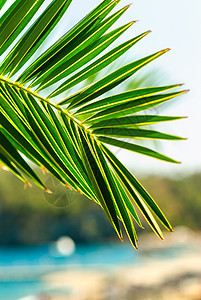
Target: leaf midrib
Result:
[[46, 100]]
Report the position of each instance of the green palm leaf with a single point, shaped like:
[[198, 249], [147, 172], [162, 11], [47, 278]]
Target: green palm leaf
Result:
[[15, 19], [2, 3], [68, 138]]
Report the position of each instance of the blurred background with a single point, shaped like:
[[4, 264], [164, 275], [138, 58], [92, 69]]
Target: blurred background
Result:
[[61, 246]]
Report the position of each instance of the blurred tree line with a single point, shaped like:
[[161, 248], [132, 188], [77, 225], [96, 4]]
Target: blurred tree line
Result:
[[32, 216]]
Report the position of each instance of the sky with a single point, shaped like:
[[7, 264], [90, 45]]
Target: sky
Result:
[[175, 25]]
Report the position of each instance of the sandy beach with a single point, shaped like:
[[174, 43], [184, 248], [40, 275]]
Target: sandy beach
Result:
[[178, 278]]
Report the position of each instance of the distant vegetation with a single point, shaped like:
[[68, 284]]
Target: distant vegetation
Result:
[[31, 216]]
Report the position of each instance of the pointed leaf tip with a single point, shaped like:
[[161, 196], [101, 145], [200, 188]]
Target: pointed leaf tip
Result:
[[48, 191], [27, 183], [127, 6], [68, 186], [4, 168], [165, 50], [132, 22]]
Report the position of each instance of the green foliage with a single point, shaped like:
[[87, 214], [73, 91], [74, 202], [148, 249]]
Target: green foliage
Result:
[[29, 217], [180, 198], [68, 138]]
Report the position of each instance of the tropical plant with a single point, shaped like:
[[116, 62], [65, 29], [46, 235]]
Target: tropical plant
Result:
[[68, 136]]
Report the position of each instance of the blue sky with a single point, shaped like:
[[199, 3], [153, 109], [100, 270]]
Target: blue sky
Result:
[[175, 25]]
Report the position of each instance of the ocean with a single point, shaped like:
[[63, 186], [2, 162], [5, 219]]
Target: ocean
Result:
[[22, 268]]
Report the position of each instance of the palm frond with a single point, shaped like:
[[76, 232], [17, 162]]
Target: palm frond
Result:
[[68, 138]]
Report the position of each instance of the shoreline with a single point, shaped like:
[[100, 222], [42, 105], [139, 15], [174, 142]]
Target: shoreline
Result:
[[175, 278]]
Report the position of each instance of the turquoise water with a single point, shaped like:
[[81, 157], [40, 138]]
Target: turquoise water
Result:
[[21, 269]]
